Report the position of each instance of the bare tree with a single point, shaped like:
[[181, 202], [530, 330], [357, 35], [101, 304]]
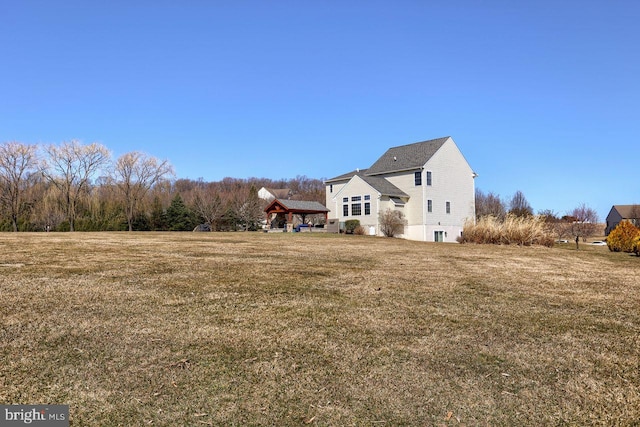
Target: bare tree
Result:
[[489, 204], [70, 167], [17, 162], [250, 213], [584, 222], [208, 204], [519, 206], [561, 227], [135, 173], [392, 222], [549, 216], [634, 215]]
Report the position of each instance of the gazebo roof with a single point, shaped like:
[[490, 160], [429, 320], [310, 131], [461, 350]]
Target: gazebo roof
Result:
[[296, 206]]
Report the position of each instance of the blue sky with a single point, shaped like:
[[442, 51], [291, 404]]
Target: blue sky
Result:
[[540, 96]]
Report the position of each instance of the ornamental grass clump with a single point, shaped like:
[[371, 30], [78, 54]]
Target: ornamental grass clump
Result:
[[512, 230]]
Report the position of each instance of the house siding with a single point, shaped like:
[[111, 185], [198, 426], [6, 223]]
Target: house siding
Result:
[[613, 219], [265, 194], [331, 198], [452, 181], [357, 187], [619, 213]]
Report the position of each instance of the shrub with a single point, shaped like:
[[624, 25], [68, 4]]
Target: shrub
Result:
[[513, 230], [636, 245], [359, 230], [621, 239], [350, 225], [392, 222]]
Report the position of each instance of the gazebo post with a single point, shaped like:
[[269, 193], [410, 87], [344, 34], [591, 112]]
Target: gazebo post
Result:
[[290, 222]]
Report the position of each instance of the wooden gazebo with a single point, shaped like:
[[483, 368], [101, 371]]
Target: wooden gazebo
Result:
[[288, 208]]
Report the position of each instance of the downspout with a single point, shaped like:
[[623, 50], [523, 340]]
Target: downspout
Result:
[[424, 206], [378, 214]]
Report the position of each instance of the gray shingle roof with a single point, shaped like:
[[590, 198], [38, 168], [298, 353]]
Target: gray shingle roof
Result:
[[627, 211], [406, 157], [347, 176], [380, 184], [383, 186], [303, 205]]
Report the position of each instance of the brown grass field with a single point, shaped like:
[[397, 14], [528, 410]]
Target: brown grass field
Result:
[[174, 329]]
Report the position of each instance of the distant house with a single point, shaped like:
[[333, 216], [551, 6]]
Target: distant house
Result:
[[269, 194], [619, 213], [430, 182]]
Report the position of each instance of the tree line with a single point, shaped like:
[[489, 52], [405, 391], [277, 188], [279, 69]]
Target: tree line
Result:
[[580, 222], [79, 187]]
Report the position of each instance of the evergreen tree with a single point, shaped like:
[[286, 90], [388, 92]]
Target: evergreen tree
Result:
[[179, 216], [158, 220]]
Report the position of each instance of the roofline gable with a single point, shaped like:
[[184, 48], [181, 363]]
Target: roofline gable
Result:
[[625, 211], [407, 157], [350, 181], [345, 177], [296, 206], [459, 152]]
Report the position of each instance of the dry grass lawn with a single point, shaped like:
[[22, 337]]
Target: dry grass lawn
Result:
[[253, 329]]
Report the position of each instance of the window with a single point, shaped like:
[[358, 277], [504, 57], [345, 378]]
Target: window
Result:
[[345, 200], [356, 209], [448, 207], [428, 177], [345, 210], [397, 201], [367, 208], [330, 188], [429, 206], [417, 178], [367, 197], [356, 198]]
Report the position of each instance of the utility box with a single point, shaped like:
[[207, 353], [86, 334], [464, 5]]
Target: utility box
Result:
[[333, 225]]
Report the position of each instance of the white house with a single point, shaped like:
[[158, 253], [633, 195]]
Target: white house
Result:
[[430, 182], [269, 194]]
